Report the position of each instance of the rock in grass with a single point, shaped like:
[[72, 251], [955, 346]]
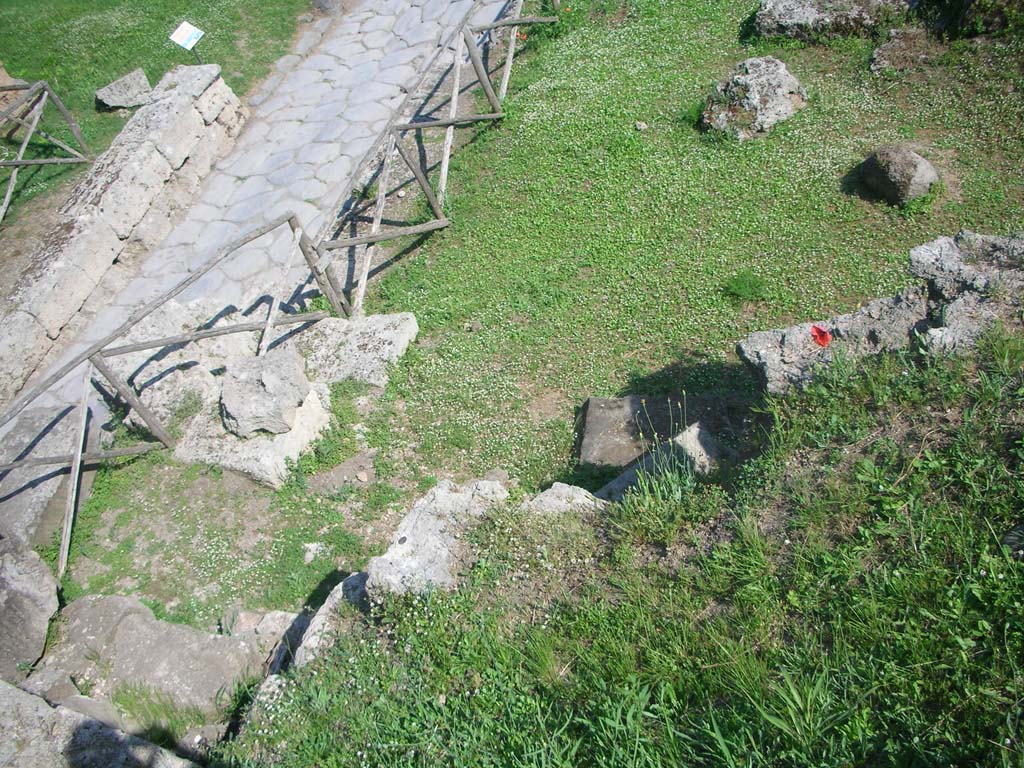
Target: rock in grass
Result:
[[28, 598], [615, 430], [262, 394], [759, 94], [810, 19], [695, 446], [361, 349], [561, 499], [426, 550], [113, 641], [904, 49], [132, 90], [787, 357], [36, 735], [898, 174]]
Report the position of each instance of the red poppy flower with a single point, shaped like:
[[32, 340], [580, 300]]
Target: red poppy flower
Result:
[[822, 337], [522, 36]]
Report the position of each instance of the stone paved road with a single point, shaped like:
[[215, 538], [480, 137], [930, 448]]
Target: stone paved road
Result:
[[314, 121]]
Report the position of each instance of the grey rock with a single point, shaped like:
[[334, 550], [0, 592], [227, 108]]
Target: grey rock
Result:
[[898, 174], [426, 551], [28, 598], [700, 448], [263, 457], [810, 19], [615, 431], [759, 94], [103, 711], [694, 446], [1003, 252], [50, 684], [361, 349], [962, 324], [787, 357], [38, 736], [115, 640], [132, 90], [941, 263], [971, 262], [278, 635], [263, 394], [326, 623], [561, 499]]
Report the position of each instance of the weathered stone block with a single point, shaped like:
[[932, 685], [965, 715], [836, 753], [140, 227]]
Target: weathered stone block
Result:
[[28, 598], [39, 736], [132, 90]]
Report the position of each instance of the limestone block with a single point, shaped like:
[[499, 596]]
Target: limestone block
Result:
[[361, 349], [23, 344], [25, 492], [114, 640], [427, 550], [39, 736], [214, 100], [759, 94], [28, 598], [262, 394], [132, 90], [131, 192]]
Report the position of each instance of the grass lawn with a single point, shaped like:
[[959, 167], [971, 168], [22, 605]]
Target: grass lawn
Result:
[[589, 258], [843, 601], [79, 46]]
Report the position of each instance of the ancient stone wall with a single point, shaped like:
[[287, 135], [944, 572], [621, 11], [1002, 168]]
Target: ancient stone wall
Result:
[[124, 207]]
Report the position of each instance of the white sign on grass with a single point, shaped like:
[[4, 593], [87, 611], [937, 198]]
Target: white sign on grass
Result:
[[187, 36]]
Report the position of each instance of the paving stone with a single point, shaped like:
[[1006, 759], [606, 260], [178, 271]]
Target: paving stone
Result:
[[292, 173], [371, 92], [377, 23], [310, 189], [321, 62], [317, 153], [377, 39], [368, 112], [433, 11], [359, 147], [249, 212], [314, 94], [219, 187], [335, 172], [333, 131], [397, 75], [359, 76], [403, 55], [245, 264], [307, 42], [423, 35], [287, 63], [408, 22]]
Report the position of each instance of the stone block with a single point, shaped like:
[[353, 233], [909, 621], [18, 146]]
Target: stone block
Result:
[[39, 736], [132, 90], [28, 598]]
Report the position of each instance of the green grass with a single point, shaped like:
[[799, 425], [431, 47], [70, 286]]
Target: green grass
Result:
[[155, 715], [588, 258], [190, 541], [857, 609], [79, 46]]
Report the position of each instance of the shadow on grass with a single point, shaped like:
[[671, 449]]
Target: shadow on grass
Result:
[[852, 184], [723, 396]]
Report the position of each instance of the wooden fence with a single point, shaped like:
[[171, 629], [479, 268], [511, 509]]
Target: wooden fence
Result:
[[318, 258]]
